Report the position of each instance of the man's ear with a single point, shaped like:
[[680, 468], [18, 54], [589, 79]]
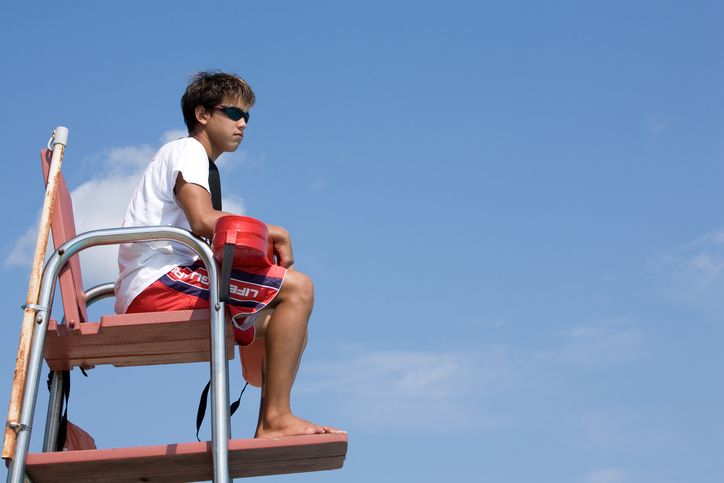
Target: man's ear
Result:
[[202, 115]]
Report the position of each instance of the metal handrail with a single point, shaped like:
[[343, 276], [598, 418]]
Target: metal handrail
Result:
[[220, 431]]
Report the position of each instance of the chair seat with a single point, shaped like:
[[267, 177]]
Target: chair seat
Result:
[[188, 462], [134, 340]]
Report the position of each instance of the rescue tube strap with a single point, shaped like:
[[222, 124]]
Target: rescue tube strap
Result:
[[202, 406], [225, 279]]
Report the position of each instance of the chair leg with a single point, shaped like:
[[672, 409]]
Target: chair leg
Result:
[[26, 478], [52, 422], [220, 430], [16, 472]]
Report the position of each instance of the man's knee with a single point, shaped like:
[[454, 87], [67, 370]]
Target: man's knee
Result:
[[299, 287]]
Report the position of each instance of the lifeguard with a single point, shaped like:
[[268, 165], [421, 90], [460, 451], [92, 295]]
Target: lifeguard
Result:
[[180, 188]]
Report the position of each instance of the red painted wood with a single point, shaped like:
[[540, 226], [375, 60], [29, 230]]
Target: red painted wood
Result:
[[62, 225], [188, 462], [134, 340]]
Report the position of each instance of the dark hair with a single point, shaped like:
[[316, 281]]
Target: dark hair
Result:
[[209, 89]]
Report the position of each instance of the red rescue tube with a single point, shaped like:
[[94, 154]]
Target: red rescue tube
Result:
[[250, 237]]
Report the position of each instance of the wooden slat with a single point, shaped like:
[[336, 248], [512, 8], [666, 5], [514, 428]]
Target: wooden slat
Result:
[[189, 462], [63, 225], [134, 340]]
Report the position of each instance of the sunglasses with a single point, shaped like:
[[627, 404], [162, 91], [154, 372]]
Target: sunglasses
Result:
[[234, 113]]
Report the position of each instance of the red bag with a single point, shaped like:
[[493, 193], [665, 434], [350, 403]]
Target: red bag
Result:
[[77, 439]]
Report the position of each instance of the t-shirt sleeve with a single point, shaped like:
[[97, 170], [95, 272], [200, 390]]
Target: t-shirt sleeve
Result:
[[193, 164]]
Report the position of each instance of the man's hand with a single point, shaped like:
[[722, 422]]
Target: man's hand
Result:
[[282, 245]]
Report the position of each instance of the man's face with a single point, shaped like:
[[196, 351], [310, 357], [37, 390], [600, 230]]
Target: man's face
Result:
[[225, 133]]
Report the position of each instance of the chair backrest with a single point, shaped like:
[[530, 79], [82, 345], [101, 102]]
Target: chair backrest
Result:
[[62, 224]]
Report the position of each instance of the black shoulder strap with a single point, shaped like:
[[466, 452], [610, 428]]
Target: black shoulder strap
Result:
[[215, 185]]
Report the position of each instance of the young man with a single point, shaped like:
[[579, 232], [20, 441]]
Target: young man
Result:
[[163, 275]]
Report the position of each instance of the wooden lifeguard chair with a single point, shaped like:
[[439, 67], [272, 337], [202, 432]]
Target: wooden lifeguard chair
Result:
[[134, 340]]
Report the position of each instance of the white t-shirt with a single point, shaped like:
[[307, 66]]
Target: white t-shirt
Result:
[[154, 203]]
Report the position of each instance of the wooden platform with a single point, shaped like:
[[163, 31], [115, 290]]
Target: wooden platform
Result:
[[134, 340], [189, 462]]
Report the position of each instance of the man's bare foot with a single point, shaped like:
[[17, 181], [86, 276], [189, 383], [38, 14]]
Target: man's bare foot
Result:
[[290, 425]]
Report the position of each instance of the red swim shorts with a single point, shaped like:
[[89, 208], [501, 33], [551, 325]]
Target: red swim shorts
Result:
[[186, 288]]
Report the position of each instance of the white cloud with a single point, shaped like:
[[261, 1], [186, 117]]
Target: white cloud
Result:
[[605, 348], [693, 273], [610, 475], [233, 204], [422, 390], [654, 122], [483, 390], [101, 202], [602, 341], [23, 249], [173, 135], [493, 322], [319, 184], [232, 161]]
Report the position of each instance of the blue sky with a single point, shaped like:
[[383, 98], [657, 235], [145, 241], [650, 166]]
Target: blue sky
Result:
[[511, 211]]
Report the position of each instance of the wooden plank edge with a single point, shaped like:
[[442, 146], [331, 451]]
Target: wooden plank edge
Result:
[[235, 445], [185, 473], [189, 462]]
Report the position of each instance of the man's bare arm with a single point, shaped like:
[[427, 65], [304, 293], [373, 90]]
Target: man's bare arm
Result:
[[196, 204]]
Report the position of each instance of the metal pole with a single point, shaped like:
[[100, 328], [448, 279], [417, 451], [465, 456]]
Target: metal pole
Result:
[[52, 422], [219, 364], [32, 380], [220, 429], [60, 139]]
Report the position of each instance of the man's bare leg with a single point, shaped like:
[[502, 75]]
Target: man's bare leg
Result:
[[285, 339]]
